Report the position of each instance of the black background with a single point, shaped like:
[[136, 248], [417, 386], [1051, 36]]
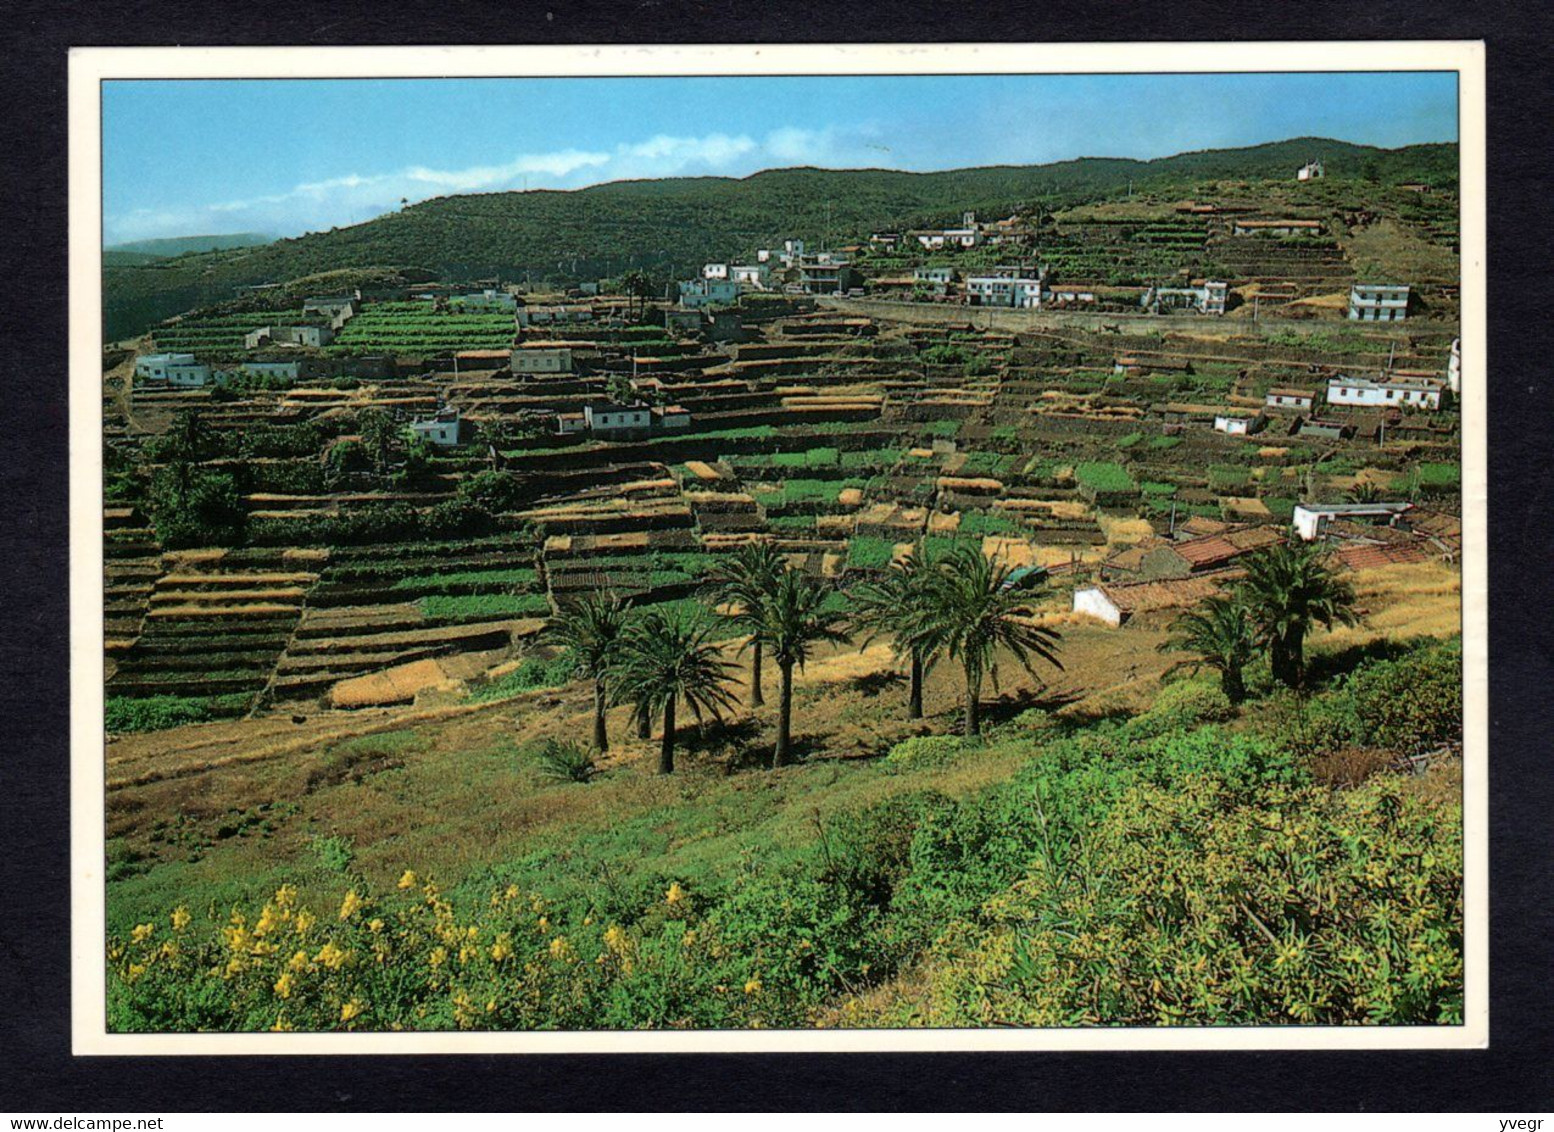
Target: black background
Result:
[[37, 1072]]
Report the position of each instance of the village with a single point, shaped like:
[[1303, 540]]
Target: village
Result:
[[1128, 446]]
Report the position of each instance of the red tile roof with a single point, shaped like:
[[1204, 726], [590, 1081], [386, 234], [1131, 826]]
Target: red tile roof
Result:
[[1206, 552], [1365, 556], [1174, 593]]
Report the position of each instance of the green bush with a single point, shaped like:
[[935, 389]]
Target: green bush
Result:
[[925, 750], [334, 853], [567, 762], [155, 713]]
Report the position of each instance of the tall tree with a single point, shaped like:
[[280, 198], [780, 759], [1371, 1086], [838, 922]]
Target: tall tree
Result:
[[1218, 634], [665, 661], [896, 606], [745, 581], [1290, 589], [592, 630], [974, 615], [793, 622]]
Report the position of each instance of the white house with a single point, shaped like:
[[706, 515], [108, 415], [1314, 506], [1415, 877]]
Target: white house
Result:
[[1097, 603], [546, 359], [569, 423], [489, 299], [1311, 519], [618, 418], [441, 430], [304, 335], [1072, 293], [1283, 397], [548, 315], [714, 271], [180, 370], [1378, 302], [1237, 424], [1454, 366], [1207, 297], [288, 371], [1363, 393], [751, 276], [1008, 290], [1311, 171], [708, 292]]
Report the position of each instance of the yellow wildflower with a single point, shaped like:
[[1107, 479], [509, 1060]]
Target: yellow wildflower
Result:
[[135, 971], [688, 939], [615, 937], [753, 986], [438, 957], [408, 880], [284, 984], [281, 1025], [349, 1010], [466, 954], [269, 918], [502, 948], [512, 892], [142, 932], [559, 948], [304, 922], [235, 966], [588, 921], [675, 894], [350, 905], [544, 923], [375, 925], [331, 956], [180, 918], [298, 962], [286, 896]]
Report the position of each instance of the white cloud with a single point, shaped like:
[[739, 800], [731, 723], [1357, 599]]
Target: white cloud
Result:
[[355, 197]]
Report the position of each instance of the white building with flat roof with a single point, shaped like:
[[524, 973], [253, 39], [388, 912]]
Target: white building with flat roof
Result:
[[1378, 302], [181, 370], [1359, 392]]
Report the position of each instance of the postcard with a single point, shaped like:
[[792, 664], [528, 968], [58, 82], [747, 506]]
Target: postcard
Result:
[[778, 548]]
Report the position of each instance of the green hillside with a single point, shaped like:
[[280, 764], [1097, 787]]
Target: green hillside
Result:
[[670, 226], [171, 246]]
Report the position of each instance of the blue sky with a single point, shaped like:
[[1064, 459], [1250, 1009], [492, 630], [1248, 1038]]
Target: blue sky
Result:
[[187, 157]]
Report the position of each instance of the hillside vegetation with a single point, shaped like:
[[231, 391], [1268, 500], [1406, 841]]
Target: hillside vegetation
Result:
[[1182, 865], [671, 226]]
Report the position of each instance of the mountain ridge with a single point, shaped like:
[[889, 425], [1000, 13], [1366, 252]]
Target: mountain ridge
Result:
[[669, 225]]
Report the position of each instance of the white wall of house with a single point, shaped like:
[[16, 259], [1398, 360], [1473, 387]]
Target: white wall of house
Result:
[[1391, 394], [1233, 426], [445, 434], [547, 360], [1378, 302], [618, 417], [1092, 601]]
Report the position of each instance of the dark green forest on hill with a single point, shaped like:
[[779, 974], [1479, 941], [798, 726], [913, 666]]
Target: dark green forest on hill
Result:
[[670, 226]]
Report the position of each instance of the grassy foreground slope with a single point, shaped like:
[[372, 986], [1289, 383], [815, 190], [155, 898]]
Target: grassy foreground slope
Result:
[[674, 225], [1157, 858]]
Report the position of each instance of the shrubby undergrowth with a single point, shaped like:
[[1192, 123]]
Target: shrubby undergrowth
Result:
[[1174, 868]]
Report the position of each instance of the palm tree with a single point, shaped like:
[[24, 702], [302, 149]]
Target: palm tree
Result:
[[664, 661], [746, 581], [1219, 635], [592, 630], [793, 622], [895, 607], [1364, 492], [973, 614], [1289, 589]]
